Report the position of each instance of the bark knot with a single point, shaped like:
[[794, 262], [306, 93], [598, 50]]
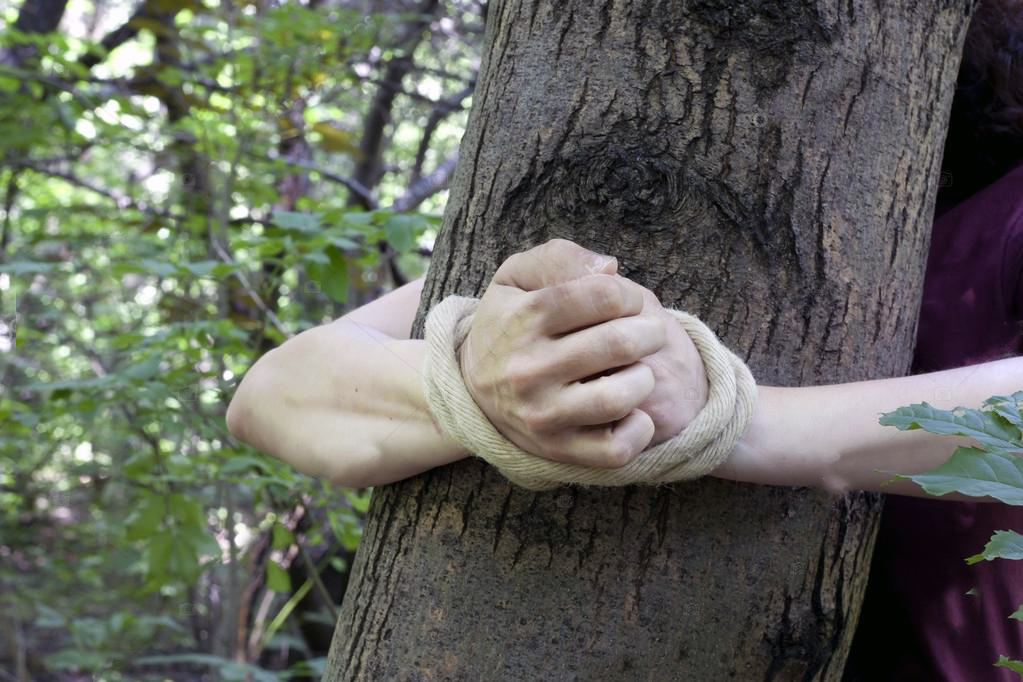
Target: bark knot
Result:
[[618, 186]]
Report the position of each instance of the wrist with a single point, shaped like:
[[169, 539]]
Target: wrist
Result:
[[773, 449], [788, 442]]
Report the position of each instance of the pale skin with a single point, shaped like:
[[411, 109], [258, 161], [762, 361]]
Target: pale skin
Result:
[[344, 400]]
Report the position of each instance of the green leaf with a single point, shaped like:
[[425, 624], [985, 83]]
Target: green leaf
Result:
[[72, 384], [159, 552], [359, 501], [344, 243], [144, 370], [401, 231], [206, 268], [1014, 666], [186, 511], [977, 473], [1009, 408], [238, 464], [1018, 613], [358, 219], [306, 223], [333, 277], [985, 427], [277, 579], [157, 268], [26, 267], [76, 659], [1004, 544], [228, 669], [146, 520], [315, 258], [281, 536]]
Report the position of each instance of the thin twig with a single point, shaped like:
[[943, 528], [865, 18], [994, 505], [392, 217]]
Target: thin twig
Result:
[[250, 290], [426, 186], [354, 186], [120, 200], [443, 109]]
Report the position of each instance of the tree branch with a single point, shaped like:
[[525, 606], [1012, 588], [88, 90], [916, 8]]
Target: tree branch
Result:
[[443, 109], [249, 289], [426, 186], [379, 113], [120, 200], [9, 195], [362, 193], [118, 36]]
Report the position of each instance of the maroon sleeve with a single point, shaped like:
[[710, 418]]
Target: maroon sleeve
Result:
[[1012, 270]]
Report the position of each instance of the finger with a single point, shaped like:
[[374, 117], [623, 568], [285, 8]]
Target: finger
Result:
[[584, 302], [603, 400], [603, 347], [553, 262], [608, 446]]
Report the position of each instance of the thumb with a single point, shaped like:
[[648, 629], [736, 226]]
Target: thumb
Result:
[[553, 262]]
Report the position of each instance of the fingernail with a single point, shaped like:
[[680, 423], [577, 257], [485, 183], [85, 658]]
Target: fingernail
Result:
[[598, 263]]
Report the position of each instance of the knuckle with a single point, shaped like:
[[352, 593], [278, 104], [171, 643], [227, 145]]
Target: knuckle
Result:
[[559, 296], [620, 345], [536, 418], [516, 313], [654, 332], [562, 248], [616, 453], [510, 264], [557, 243], [611, 403], [607, 297], [660, 327], [647, 379], [537, 303], [548, 251]]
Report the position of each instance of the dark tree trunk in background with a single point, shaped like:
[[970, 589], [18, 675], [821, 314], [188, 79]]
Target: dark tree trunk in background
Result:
[[771, 167], [34, 16]]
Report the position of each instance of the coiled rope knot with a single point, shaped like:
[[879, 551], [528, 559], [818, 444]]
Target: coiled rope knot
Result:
[[697, 450]]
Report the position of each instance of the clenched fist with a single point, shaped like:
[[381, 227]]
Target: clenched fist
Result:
[[574, 363]]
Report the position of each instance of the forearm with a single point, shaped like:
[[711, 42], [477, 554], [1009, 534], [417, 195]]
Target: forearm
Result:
[[829, 436], [345, 402]]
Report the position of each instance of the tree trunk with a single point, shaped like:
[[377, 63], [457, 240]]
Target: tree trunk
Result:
[[770, 167]]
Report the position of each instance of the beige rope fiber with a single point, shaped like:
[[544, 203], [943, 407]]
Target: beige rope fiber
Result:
[[697, 450]]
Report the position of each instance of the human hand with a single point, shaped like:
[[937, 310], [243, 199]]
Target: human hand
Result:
[[563, 353], [680, 382]]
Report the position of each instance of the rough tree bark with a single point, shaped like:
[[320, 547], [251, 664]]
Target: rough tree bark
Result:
[[771, 167]]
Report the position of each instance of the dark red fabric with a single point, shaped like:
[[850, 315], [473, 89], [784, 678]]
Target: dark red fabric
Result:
[[918, 622]]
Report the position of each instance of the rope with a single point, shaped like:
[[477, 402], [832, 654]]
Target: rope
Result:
[[697, 450]]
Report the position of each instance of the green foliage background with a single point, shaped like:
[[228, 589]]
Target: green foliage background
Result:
[[183, 185]]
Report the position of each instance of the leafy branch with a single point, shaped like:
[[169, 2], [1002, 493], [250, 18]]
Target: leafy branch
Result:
[[993, 468]]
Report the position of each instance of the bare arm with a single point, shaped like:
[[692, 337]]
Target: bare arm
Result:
[[829, 436], [344, 400]]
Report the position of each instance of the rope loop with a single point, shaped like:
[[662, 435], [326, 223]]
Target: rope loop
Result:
[[696, 451]]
